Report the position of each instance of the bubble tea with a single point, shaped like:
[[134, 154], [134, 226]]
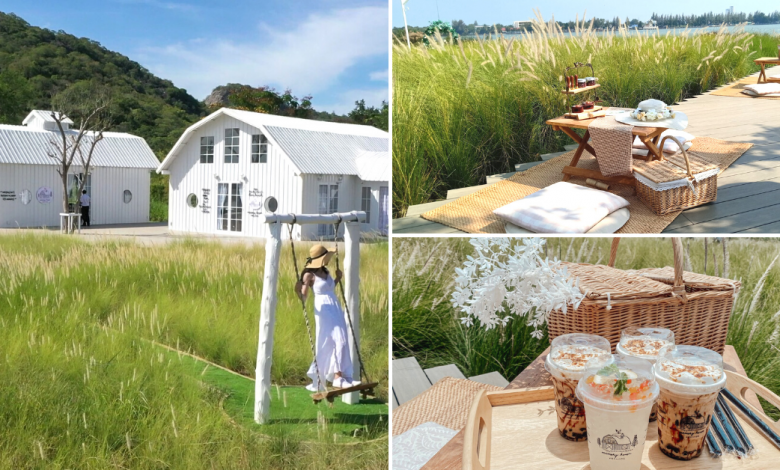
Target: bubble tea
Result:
[[690, 378], [569, 356], [618, 399], [645, 343]]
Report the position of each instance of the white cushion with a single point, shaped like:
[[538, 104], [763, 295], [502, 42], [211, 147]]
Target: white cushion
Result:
[[561, 208], [609, 224], [669, 146], [644, 152], [761, 89]]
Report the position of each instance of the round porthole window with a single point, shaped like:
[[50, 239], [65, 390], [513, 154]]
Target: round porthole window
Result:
[[128, 196], [192, 200], [25, 196]]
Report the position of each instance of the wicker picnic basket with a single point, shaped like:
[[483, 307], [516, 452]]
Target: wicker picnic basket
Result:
[[678, 182], [695, 306]]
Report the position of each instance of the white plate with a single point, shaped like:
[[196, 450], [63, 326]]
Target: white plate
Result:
[[678, 122]]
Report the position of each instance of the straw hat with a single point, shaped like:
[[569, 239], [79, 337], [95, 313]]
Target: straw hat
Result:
[[319, 256]]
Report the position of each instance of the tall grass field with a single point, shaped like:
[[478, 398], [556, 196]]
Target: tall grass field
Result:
[[427, 327], [465, 109], [90, 376]]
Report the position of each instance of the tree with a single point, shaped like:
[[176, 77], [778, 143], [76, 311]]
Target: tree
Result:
[[268, 101], [377, 117], [15, 97], [85, 104]]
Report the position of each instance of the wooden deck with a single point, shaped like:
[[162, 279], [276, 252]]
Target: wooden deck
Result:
[[748, 191]]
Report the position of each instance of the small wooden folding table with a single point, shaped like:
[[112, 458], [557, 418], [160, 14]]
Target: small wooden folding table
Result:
[[648, 135], [762, 62]]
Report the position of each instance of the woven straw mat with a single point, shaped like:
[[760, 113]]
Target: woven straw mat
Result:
[[474, 213], [612, 142], [735, 90], [446, 403]]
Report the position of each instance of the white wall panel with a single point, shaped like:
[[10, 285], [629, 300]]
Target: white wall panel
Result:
[[108, 185]]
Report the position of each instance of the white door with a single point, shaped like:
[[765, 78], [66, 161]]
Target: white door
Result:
[[230, 208], [328, 204], [384, 207]]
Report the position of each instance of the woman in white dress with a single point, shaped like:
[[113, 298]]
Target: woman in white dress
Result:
[[333, 353]]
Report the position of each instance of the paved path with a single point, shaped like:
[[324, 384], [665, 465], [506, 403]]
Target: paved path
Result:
[[748, 191]]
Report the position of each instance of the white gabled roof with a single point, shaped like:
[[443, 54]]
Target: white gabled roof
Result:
[[314, 147], [43, 116], [29, 146], [374, 166]]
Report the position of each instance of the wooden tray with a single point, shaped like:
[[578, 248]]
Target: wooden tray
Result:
[[597, 111], [523, 433]]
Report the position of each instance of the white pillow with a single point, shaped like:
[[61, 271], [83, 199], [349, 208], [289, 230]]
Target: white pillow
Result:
[[643, 151], [761, 89], [561, 208], [669, 146]]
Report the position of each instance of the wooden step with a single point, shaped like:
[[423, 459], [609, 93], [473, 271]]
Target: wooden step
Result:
[[409, 380], [491, 378], [460, 192], [525, 166], [493, 179], [437, 373], [548, 156], [570, 147], [428, 206]]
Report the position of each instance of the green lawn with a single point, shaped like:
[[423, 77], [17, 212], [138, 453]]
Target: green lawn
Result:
[[84, 387]]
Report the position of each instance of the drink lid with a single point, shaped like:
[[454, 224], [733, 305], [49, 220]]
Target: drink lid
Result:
[[626, 384], [571, 354], [644, 342], [690, 369]]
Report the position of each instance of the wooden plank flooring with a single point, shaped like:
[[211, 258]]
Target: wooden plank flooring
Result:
[[437, 373], [409, 380], [748, 191]]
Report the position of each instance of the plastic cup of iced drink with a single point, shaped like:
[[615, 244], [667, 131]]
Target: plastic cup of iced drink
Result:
[[618, 398], [569, 356], [645, 343], [690, 378]]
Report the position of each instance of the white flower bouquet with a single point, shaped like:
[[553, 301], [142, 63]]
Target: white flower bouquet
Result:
[[503, 278]]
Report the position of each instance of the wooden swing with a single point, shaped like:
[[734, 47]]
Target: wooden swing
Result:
[[365, 388]]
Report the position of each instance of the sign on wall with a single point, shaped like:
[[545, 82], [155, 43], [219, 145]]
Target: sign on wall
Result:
[[25, 196], [44, 195], [7, 195], [205, 207], [255, 208]]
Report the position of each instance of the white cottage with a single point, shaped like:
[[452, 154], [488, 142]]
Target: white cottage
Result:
[[224, 167], [31, 189]]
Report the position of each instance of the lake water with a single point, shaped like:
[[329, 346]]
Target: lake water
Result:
[[753, 28]]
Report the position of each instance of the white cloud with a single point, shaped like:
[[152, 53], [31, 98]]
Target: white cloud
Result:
[[307, 59], [161, 4], [346, 101], [380, 75]]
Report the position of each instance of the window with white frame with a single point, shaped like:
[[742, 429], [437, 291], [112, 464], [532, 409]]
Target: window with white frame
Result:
[[259, 148], [231, 145], [365, 203], [328, 204], [207, 149]]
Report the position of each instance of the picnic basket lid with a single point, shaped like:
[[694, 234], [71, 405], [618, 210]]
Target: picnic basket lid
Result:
[[674, 168], [606, 283]]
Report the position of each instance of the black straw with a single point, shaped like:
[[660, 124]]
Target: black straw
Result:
[[712, 444], [737, 427], [766, 430], [729, 430], [724, 439]]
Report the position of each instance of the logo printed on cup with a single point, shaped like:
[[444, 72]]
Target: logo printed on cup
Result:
[[617, 446]]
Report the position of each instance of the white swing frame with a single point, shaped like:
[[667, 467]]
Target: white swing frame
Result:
[[273, 248]]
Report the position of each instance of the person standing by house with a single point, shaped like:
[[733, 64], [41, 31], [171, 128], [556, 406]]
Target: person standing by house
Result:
[[84, 200]]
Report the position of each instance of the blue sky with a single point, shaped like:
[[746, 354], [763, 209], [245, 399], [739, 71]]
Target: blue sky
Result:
[[336, 51], [421, 12]]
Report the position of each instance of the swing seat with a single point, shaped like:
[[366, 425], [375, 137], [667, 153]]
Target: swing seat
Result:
[[364, 389]]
